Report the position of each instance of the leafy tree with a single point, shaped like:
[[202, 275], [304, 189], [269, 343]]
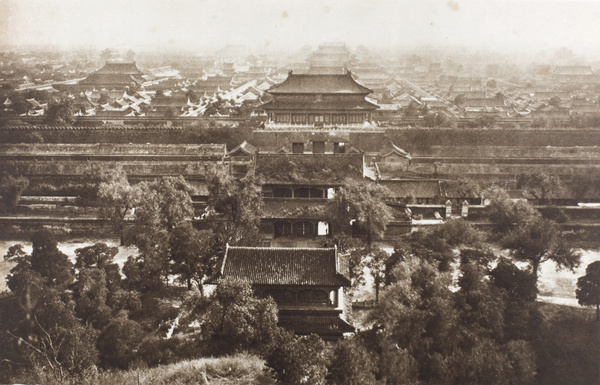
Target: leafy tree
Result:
[[60, 112], [11, 189], [117, 197], [460, 99], [166, 205], [298, 360], [540, 184], [236, 208], [435, 119], [540, 241], [194, 255], [166, 202], [505, 213], [588, 287], [375, 262], [47, 334], [363, 201], [462, 187], [119, 341], [351, 364], [90, 296], [485, 121], [235, 320]]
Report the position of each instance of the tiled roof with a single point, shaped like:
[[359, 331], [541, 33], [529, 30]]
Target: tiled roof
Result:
[[119, 68], [109, 79], [319, 105], [284, 266], [319, 84]]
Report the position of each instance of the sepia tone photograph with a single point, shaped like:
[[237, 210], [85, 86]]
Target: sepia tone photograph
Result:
[[319, 192]]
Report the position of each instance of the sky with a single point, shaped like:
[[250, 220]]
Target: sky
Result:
[[502, 25]]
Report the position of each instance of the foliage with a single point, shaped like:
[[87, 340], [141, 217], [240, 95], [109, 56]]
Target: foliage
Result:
[[298, 360], [364, 202], [462, 187], [194, 255], [506, 213], [241, 369], [117, 197], [47, 334], [317, 168], [435, 119], [11, 189], [119, 341], [351, 364], [438, 336], [235, 320], [588, 287], [375, 262], [235, 208], [60, 112], [538, 241], [541, 185]]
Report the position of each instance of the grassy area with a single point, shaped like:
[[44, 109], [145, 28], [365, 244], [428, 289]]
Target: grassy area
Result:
[[236, 370]]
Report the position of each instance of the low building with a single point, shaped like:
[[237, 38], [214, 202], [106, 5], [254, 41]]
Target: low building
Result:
[[309, 285]]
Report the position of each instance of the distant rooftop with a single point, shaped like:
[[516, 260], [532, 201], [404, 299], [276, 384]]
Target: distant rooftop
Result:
[[319, 84]]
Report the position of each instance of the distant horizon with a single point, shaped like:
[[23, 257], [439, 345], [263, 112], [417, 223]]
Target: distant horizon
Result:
[[497, 26]]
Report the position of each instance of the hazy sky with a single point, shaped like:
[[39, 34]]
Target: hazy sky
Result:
[[197, 24]]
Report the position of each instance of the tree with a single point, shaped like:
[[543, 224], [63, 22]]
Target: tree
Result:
[[298, 360], [351, 364], [119, 342], [435, 119], [541, 185], [460, 100], [363, 202], [538, 241], [235, 320], [47, 333], [492, 83], [588, 287], [375, 262], [60, 112], [194, 255], [235, 208], [117, 197], [505, 212], [11, 189]]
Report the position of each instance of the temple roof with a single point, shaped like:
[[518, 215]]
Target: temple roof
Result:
[[285, 266], [319, 105], [110, 80], [119, 68], [319, 84]]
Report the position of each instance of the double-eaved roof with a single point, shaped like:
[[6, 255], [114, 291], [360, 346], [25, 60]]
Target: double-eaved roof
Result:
[[319, 84], [285, 266]]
